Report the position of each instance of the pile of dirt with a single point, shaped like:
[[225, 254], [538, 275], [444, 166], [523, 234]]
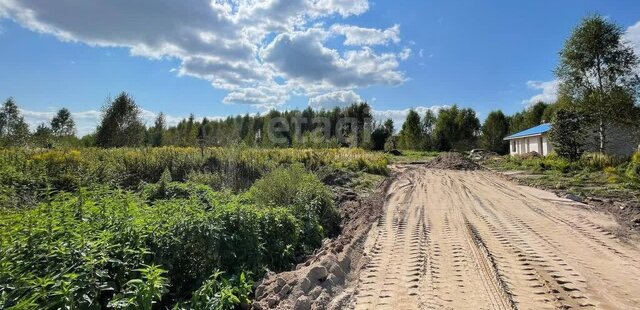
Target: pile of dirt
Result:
[[321, 282], [453, 161]]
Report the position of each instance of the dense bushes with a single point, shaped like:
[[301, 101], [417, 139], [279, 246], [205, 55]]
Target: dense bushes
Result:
[[73, 250], [133, 228], [299, 191], [166, 237], [26, 174], [85, 249]]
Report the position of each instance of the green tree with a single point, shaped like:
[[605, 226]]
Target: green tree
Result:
[[530, 117], [494, 129], [381, 134], [456, 129], [88, 140], [567, 134], [411, 132], [121, 124], [43, 136], [157, 131], [596, 71], [428, 124], [388, 126], [62, 125], [14, 131]]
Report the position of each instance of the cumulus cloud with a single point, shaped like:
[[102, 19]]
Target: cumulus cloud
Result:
[[399, 116], [342, 7], [355, 35], [242, 47], [301, 56], [548, 94], [266, 97], [339, 98]]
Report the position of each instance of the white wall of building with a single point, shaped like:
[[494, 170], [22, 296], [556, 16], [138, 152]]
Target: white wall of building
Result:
[[546, 146], [539, 144]]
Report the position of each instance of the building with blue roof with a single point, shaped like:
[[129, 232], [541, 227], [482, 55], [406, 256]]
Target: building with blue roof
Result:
[[530, 140]]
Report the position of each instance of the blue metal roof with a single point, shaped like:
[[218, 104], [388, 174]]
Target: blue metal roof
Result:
[[533, 131]]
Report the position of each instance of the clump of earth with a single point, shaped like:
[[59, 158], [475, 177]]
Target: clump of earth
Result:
[[453, 161]]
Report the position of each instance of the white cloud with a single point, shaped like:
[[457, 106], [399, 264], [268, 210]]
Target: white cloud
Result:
[[405, 53], [342, 7], [339, 98], [421, 53], [237, 45], [355, 35], [632, 35], [549, 92], [399, 116], [302, 57], [265, 97]]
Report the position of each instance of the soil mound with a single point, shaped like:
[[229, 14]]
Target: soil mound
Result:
[[453, 161]]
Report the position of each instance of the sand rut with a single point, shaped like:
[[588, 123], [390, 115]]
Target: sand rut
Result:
[[470, 240]]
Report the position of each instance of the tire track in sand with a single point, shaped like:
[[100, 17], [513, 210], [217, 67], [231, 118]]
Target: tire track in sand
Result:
[[470, 240]]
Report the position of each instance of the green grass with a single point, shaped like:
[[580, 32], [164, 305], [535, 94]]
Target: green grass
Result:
[[411, 156], [593, 175]]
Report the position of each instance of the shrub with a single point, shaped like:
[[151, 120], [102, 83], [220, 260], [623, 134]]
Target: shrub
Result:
[[85, 249], [299, 190], [213, 180], [633, 169], [27, 174], [142, 293], [72, 250], [219, 293], [599, 161]]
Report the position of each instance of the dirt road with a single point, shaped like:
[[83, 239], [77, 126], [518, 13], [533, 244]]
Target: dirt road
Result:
[[472, 240]]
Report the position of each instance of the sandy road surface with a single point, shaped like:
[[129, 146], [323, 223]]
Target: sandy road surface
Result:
[[471, 240]]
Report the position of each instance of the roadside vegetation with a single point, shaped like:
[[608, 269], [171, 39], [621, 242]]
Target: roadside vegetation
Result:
[[132, 228], [593, 174]]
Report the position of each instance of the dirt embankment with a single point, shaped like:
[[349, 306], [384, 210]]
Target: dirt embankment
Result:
[[322, 281]]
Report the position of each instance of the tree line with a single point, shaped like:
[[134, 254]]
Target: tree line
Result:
[[121, 125]]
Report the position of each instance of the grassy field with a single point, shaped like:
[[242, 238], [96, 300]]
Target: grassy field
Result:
[[409, 156], [181, 228], [593, 175]]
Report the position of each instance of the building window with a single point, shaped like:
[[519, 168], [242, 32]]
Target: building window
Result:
[[513, 146]]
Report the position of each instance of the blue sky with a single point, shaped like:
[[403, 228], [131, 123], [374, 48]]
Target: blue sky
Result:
[[394, 54]]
